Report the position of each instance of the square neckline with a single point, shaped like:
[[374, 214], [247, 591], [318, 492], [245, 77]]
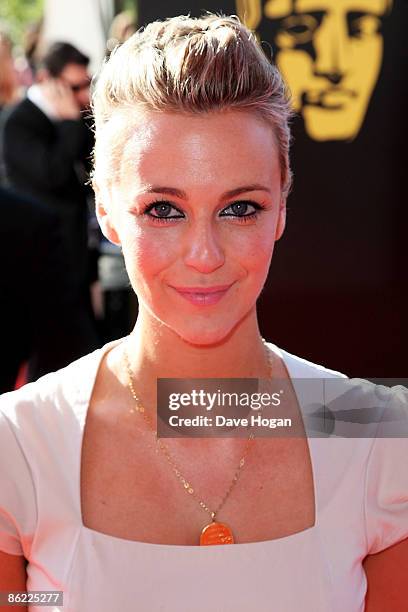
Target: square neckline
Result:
[[85, 404]]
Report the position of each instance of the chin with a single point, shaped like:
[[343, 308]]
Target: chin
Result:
[[200, 338], [204, 334]]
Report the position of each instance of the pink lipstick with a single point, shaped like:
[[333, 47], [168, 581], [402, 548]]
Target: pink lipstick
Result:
[[203, 296]]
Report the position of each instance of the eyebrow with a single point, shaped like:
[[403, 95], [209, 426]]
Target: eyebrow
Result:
[[178, 193], [377, 8]]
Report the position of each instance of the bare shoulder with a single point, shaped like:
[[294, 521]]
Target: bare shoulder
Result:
[[110, 378], [110, 398], [387, 579], [13, 575]]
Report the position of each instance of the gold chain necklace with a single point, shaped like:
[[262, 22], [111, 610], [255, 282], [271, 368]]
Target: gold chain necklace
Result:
[[215, 532]]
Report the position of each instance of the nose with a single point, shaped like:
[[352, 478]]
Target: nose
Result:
[[331, 46], [202, 248]]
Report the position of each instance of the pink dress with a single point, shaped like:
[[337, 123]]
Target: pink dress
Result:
[[361, 497]]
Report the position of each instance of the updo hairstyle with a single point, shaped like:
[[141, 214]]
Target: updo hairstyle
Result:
[[187, 65]]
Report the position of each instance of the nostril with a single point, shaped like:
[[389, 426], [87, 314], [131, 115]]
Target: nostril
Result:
[[334, 77]]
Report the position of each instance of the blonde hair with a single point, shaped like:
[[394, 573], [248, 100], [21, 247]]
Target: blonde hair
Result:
[[187, 65]]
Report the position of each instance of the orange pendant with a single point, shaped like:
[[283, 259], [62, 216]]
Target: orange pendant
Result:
[[216, 533]]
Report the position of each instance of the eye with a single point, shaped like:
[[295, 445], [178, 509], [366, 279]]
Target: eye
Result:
[[362, 24], [162, 210], [298, 29], [165, 212], [240, 209]]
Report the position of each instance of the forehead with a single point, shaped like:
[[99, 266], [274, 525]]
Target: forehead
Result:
[[74, 72], [198, 151], [377, 7]]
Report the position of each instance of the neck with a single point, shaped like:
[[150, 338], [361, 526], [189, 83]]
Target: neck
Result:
[[155, 351]]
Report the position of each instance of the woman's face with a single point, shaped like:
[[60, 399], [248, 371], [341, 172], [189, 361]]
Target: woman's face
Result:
[[197, 207]]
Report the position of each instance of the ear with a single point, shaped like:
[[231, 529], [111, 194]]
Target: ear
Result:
[[42, 75], [105, 218], [280, 227]]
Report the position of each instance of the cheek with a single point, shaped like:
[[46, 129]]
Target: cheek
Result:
[[367, 56], [297, 69], [148, 251], [261, 261], [296, 66], [155, 253], [252, 249]]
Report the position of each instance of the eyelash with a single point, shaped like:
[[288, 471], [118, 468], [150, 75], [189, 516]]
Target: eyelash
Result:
[[241, 219]]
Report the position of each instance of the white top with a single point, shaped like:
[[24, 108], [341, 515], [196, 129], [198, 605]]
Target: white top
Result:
[[361, 497]]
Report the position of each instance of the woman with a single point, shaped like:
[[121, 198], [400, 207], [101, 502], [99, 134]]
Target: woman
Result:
[[191, 179]]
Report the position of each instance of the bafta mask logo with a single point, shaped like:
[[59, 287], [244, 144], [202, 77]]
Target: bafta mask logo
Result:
[[330, 54]]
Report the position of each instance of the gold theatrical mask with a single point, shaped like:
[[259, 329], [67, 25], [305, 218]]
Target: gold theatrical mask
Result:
[[330, 53]]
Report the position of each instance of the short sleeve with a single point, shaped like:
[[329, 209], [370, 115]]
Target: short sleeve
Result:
[[386, 491], [17, 496]]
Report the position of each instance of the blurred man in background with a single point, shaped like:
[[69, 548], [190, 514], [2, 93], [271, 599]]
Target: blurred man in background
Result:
[[47, 146], [39, 322]]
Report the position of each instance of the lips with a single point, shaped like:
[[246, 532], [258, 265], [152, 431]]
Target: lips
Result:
[[331, 98], [203, 296]]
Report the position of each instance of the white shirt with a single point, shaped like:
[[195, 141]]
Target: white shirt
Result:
[[361, 497], [36, 96]]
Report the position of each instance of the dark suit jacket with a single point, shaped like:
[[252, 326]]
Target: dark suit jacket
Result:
[[39, 316], [43, 159]]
